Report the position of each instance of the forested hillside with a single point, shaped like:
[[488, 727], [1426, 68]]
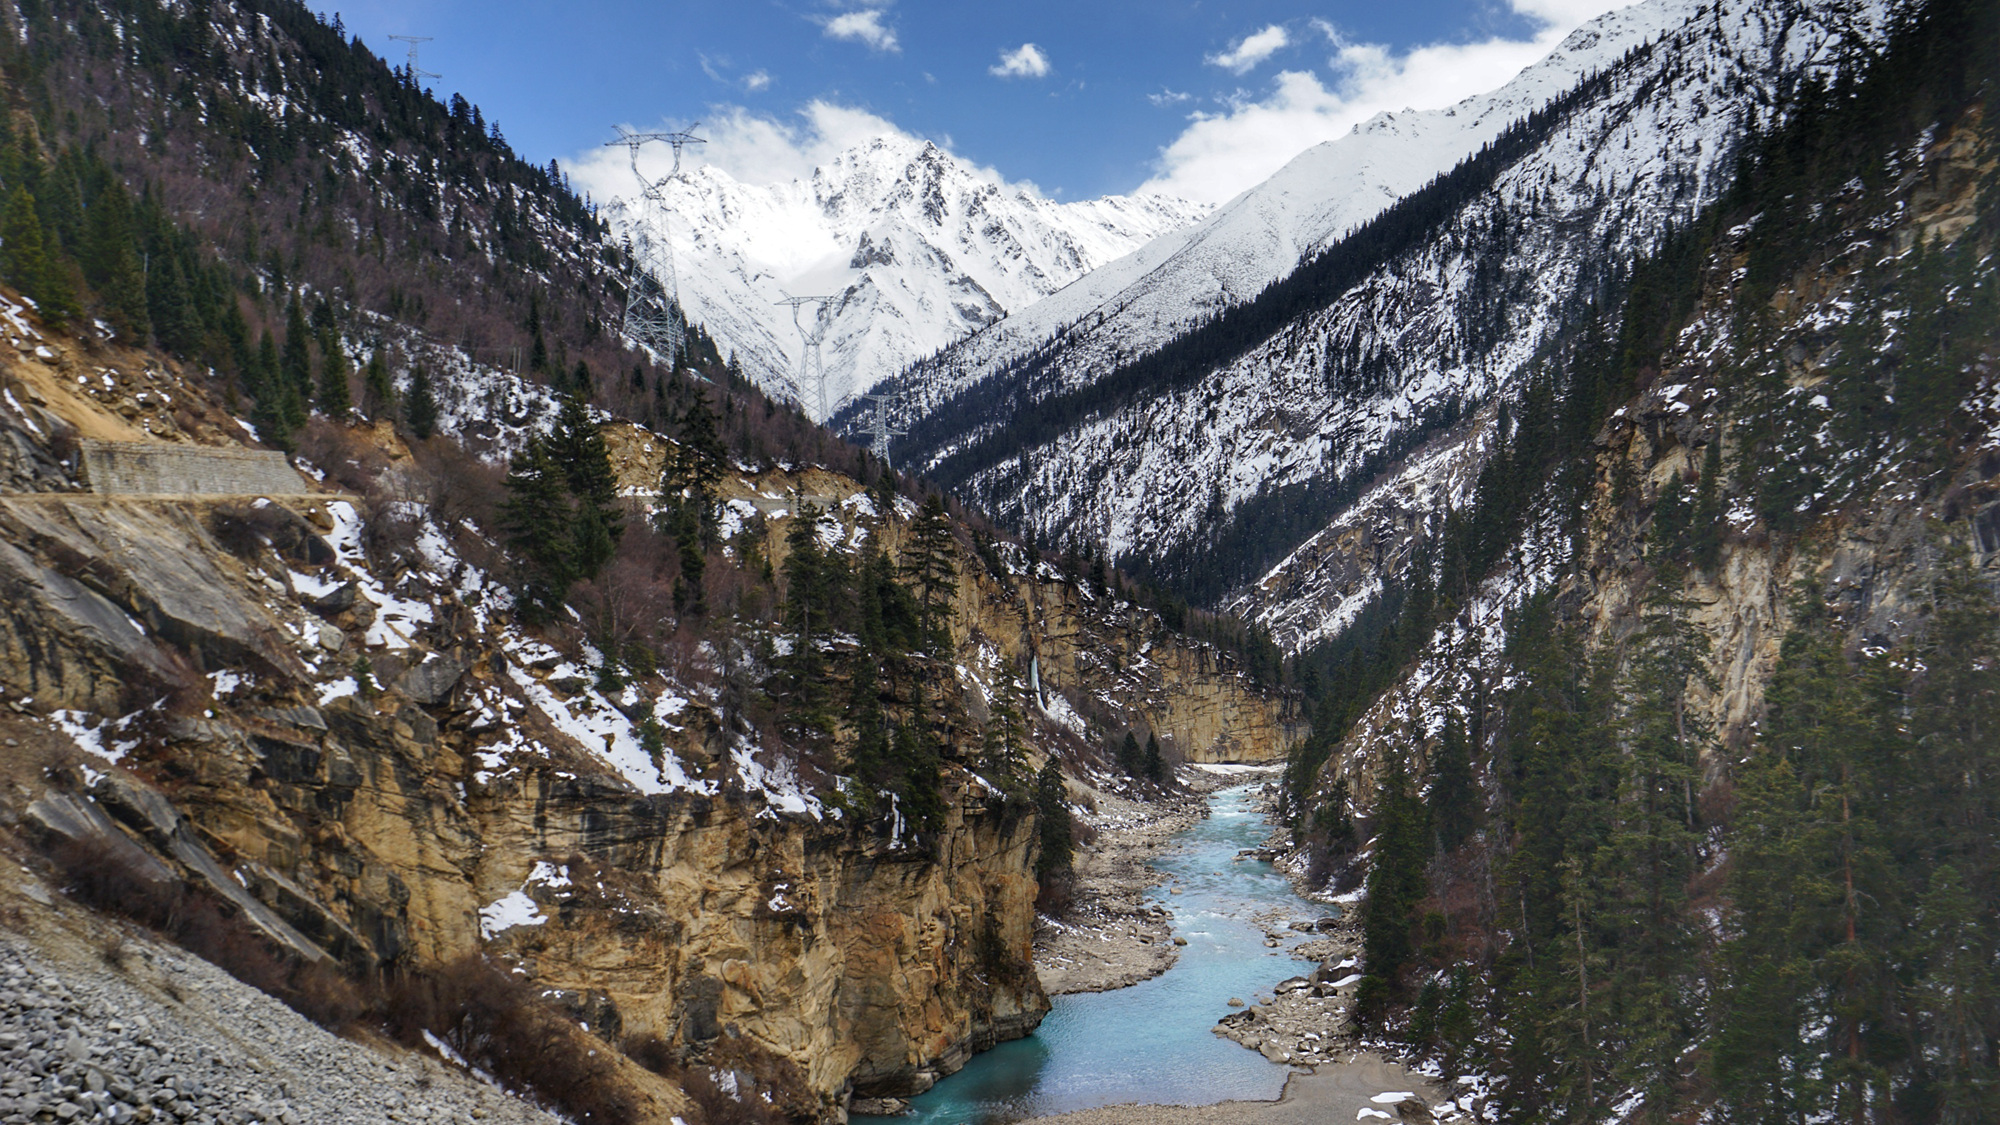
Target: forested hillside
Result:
[[1673, 759], [212, 176]]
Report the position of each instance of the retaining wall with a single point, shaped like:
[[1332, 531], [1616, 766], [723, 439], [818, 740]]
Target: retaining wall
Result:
[[148, 468]]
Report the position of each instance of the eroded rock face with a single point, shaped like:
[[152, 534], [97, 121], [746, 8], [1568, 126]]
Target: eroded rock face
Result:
[[363, 827], [355, 742], [705, 924]]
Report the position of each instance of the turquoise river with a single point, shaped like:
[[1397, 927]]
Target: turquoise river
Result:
[[1151, 1043]]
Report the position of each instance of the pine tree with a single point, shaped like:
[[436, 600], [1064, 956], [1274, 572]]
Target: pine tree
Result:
[[420, 408], [540, 525], [23, 259], [1454, 793], [168, 306], [1055, 856], [334, 397], [378, 390], [1705, 524], [1155, 767], [576, 443], [538, 348], [1396, 884], [927, 559], [296, 364], [1130, 761], [262, 382], [810, 588], [914, 760], [111, 263], [868, 758], [687, 500], [1005, 750], [1956, 999]]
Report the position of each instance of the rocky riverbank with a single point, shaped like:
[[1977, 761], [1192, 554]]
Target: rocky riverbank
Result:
[[1112, 937], [1363, 1087]]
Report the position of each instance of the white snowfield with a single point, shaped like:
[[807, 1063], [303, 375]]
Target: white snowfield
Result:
[[917, 247], [1144, 299], [1454, 319]]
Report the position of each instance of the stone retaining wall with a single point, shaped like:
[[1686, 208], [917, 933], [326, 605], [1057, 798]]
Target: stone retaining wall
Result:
[[148, 468]]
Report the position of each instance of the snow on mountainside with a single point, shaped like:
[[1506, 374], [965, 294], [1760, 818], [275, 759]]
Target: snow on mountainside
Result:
[[917, 247], [1213, 471], [1142, 300]]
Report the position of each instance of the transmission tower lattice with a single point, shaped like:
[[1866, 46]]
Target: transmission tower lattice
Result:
[[416, 72], [812, 368], [652, 316], [879, 431]]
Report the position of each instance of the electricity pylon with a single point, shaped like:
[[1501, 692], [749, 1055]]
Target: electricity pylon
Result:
[[653, 319], [417, 72], [879, 431], [812, 368]]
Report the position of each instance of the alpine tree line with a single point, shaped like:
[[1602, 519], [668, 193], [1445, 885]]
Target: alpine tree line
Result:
[[1563, 897]]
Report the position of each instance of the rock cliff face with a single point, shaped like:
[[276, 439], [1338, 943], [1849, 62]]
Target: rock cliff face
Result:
[[321, 709]]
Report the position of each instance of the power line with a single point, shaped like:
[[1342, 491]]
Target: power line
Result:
[[879, 431], [417, 72], [653, 321], [812, 367]]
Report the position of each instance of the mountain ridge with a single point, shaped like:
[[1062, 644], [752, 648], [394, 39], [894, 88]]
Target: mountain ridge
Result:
[[1206, 467], [915, 245]]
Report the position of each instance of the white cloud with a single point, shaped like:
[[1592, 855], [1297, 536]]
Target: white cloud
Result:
[[1254, 49], [757, 80], [1025, 61], [754, 148], [1169, 96], [864, 26], [1221, 154]]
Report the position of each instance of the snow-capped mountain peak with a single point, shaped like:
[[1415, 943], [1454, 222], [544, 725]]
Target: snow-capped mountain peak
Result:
[[915, 246]]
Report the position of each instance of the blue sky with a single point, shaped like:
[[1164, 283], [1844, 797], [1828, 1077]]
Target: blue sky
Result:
[[1078, 97]]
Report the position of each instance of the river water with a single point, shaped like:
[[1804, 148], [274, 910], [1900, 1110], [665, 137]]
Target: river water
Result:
[[1151, 1043]]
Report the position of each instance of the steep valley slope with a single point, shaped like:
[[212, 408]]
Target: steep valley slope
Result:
[[320, 708], [1674, 766]]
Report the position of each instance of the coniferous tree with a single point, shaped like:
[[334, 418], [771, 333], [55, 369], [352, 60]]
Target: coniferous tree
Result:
[[1005, 750], [378, 389], [540, 525], [1058, 846], [1130, 761], [1454, 794], [868, 758], [810, 589], [928, 561], [334, 398], [23, 259], [420, 408], [262, 382], [111, 263], [1396, 884], [692, 470], [296, 363], [915, 761], [1705, 523], [1154, 767], [576, 443]]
